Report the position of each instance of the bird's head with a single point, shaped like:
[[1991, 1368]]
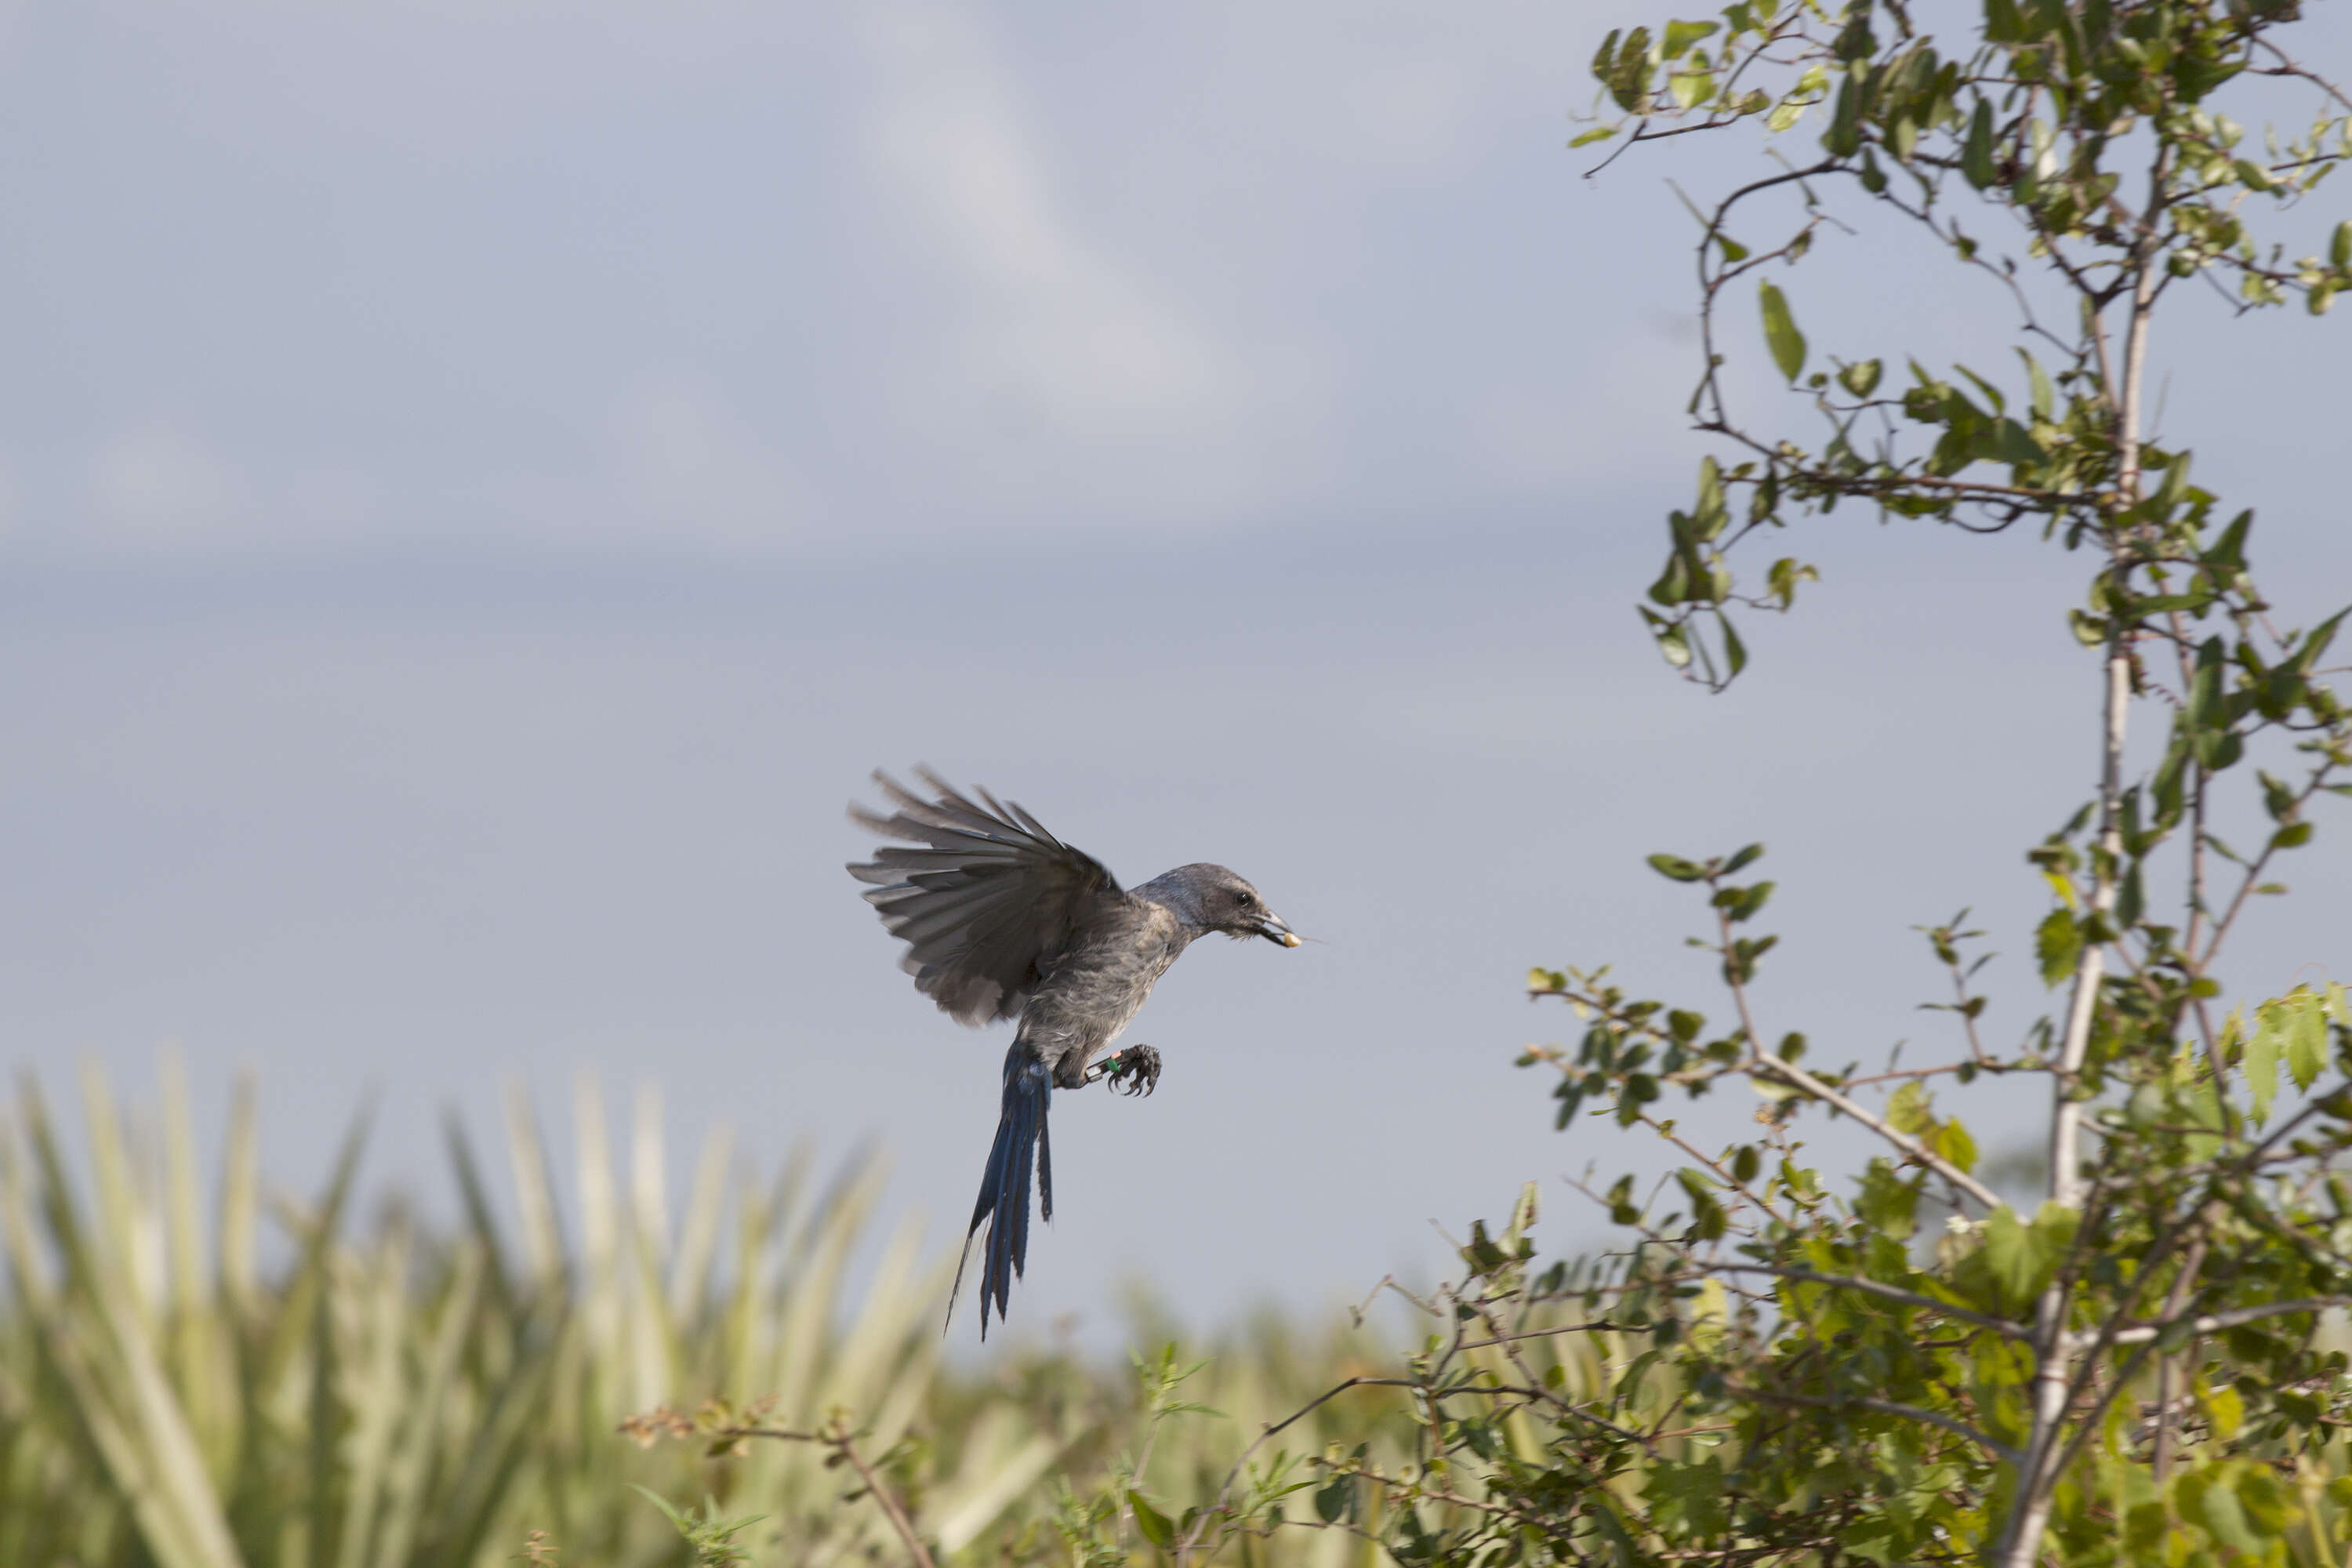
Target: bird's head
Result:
[[1209, 898]]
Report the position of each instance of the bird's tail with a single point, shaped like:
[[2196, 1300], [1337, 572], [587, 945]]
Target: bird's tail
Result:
[[1003, 1205]]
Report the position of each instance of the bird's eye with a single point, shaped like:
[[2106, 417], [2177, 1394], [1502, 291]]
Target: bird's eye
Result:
[[1244, 900]]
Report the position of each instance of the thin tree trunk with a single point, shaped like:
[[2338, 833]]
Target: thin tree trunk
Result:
[[2053, 1346], [2053, 1357]]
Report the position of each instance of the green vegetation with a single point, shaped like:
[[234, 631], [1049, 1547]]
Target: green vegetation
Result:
[[2138, 1370], [395, 1397]]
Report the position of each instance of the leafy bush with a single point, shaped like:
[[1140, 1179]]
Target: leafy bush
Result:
[[1780, 1367]]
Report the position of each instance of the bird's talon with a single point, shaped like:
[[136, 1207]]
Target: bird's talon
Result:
[[1135, 1070]]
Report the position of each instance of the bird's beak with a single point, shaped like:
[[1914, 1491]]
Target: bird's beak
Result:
[[1275, 929]]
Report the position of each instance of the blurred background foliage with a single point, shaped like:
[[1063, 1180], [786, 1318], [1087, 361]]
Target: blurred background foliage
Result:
[[329, 1380]]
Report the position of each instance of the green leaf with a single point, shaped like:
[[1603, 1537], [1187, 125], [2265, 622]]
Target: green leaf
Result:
[[1626, 73], [2339, 244], [2305, 1032], [2315, 643], [1153, 1524], [2043, 399], [1681, 35], [2224, 1409], [680, 1520], [1676, 867], [2261, 1062], [1744, 904], [1687, 1496], [1709, 513], [1841, 138], [1873, 177], [1902, 137], [1784, 576], [2058, 940], [1909, 1109], [1672, 640], [1976, 155], [1992, 395], [1861, 378], [2229, 551], [1604, 58], [1743, 858], [1674, 584], [2219, 1508], [1781, 333], [2023, 1258], [1587, 138], [1953, 1143], [2009, 1254], [2017, 447]]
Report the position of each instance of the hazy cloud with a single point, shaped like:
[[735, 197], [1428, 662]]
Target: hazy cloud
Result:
[[160, 484], [698, 471], [1063, 365], [718, 276]]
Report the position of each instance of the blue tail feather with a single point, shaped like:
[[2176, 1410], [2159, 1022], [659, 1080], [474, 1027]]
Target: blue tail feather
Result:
[[1003, 1204]]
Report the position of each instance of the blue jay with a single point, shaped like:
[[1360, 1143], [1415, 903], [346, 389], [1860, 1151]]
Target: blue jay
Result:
[[1001, 920]]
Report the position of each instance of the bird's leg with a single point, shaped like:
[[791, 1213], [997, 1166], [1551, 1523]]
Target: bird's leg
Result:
[[1135, 1069]]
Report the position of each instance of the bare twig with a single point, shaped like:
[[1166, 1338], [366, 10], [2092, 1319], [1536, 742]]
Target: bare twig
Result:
[[2214, 1322], [1885, 1407], [1872, 1288], [1190, 1542], [1602, 1325], [846, 1446], [1798, 1077], [654, 1426]]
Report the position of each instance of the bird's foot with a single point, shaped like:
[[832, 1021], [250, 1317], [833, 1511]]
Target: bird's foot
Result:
[[1134, 1069]]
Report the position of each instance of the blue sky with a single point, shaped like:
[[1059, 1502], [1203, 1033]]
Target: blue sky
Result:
[[480, 485]]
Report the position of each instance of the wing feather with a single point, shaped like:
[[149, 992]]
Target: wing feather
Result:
[[987, 904]]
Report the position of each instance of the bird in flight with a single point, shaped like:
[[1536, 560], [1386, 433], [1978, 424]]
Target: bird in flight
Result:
[[1001, 920]]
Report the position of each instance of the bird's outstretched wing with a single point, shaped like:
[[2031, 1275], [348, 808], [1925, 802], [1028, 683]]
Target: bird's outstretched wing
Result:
[[990, 903]]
